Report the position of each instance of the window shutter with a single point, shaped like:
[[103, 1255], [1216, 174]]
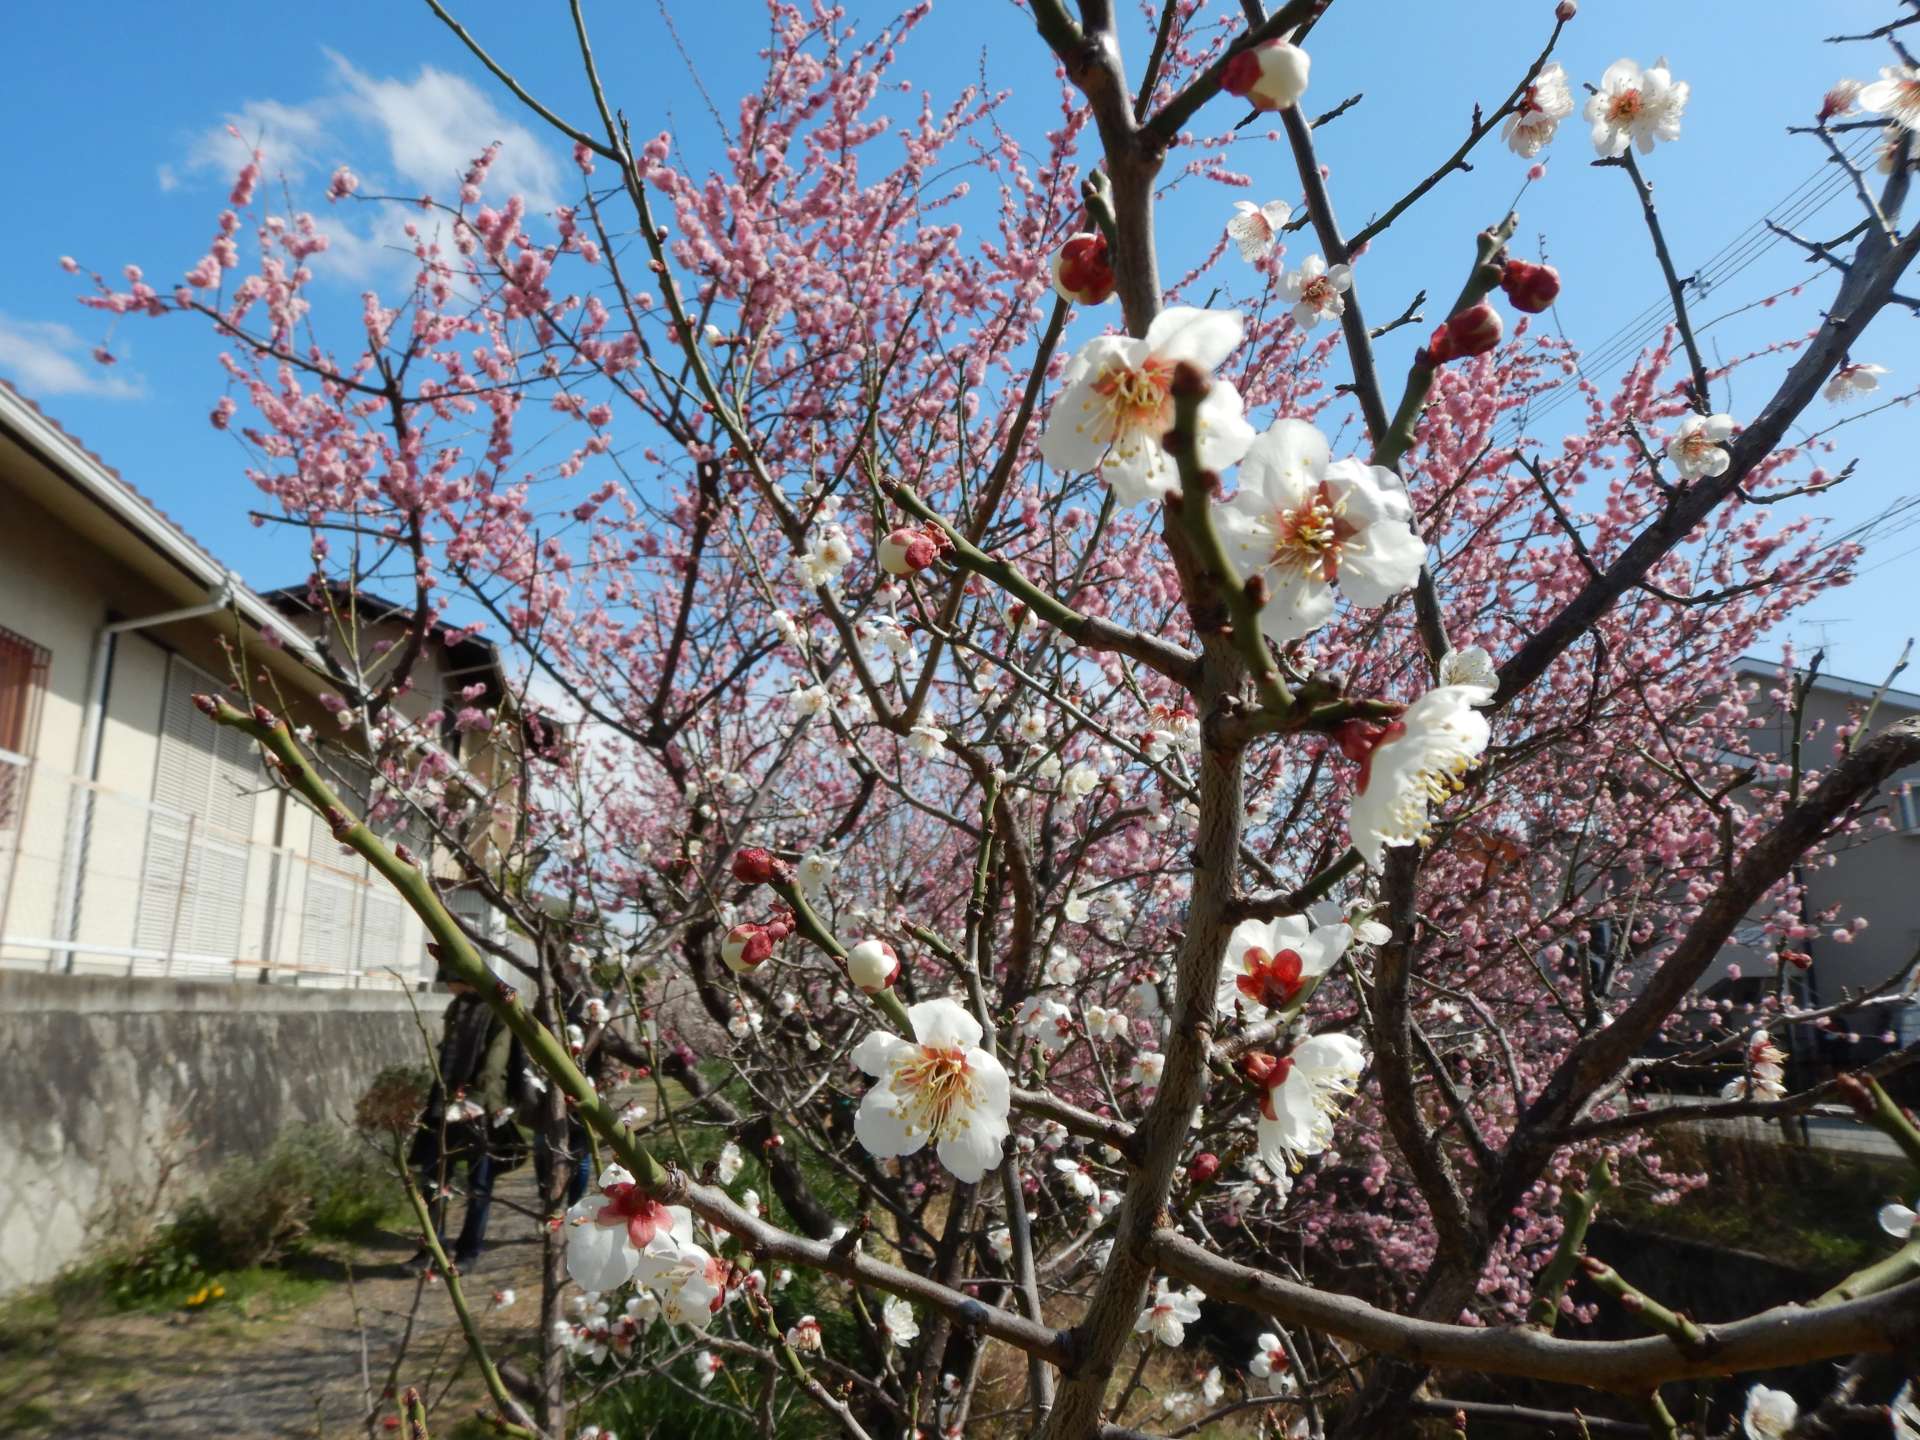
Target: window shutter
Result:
[[194, 876]]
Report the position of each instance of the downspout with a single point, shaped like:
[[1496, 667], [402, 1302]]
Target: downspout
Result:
[[93, 724]]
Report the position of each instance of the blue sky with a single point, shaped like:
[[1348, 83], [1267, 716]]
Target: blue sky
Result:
[[118, 115]]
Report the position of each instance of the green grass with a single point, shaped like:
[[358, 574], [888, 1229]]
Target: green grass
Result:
[[1812, 1209]]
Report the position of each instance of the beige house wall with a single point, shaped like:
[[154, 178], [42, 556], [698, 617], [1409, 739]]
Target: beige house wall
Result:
[[1876, 876], [58, 587]]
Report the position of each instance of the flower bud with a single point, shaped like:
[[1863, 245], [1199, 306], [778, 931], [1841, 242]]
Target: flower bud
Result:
[[1083, 270], [873, 966], [1530, 288], [1272, 75], [906, 551], [1205, 1166], [1473, 331], [748, 945], [755, 866], [1566, 10]]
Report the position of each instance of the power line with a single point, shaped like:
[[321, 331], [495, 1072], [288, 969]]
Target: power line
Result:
[[1807, 199]]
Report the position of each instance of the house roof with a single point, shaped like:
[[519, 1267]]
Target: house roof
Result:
[[138, 519], [1759, 668]]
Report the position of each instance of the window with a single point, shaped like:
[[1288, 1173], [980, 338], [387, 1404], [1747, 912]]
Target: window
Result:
[[23, 680], [194, 878]]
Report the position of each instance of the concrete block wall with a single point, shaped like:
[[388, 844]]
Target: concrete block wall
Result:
[[95, 1070]]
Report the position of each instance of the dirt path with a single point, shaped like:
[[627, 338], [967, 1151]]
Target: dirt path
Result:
[[290, 1369]]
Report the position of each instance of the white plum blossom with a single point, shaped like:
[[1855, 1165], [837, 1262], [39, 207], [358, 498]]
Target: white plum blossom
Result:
[[1270, 1364], [896, 1318], [1906, 1412], [693, 1288], [1047, 1020], [728, 1166], [1635, 107], [811, 874], [1414, 764], [1765, 1075], [1770, 1414], [1147, 1068], [926, 741], [1079, 1177], [1897, 1220], [1145, 993], [1032, 726], [1896, 94], [804, 1334], [1304, 1095], [939, 1087], [810, 701], [1118, 402], [1212, 1386], [1471, 666], [1304, 522], [1169, 1314], [1080, 781], [1547, 101], [1257, 974], [1000, 1239], [620, 1232], [1256, 228], [1063, 966], [1699, 446], [706, 1365], [750, 1202], [1318, 293], [829, 553], [1850, 381], [1840, 99], [788, 631], [1105, 1024]]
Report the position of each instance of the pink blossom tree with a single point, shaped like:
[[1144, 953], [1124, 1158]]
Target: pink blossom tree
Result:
[[1131, 816]]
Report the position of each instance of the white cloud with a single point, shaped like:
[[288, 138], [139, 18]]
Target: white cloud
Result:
[[405, 137], [434, 126], [43, 357]]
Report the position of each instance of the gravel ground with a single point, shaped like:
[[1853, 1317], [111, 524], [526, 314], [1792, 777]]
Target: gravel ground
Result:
[[298, 1372]]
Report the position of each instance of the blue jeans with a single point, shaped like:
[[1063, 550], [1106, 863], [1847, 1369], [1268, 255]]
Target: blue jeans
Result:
[[479, 1187]]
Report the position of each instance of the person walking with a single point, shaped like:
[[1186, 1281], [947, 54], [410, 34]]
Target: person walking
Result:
[[469, 1121]]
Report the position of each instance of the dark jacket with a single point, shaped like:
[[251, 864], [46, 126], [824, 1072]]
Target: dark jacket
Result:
[[482, 1061]]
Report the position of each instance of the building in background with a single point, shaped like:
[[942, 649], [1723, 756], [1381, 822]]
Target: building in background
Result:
[[138, 838], [1873, 876]]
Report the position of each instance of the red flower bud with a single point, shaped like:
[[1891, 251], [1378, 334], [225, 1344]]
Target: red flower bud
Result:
[[1473, 331], [908, 550], [1272, 75], [1531, 288], [206, 704], [755, 866], [1083, 270], [748, 945], [1566, 10], [1205, 1166]]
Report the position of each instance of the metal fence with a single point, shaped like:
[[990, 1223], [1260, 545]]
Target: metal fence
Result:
[[97, 881]]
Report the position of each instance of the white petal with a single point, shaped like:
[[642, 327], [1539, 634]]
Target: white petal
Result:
[[1203, 337], [1897, 1221], [878, 1126], [1286, 462], [876, 1053], [944, 1023]]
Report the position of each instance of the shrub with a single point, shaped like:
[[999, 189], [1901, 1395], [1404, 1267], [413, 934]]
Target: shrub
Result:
[[392, 1103], [313, 1179]]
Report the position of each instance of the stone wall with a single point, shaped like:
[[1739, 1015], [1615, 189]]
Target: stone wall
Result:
[[97, 1073]]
